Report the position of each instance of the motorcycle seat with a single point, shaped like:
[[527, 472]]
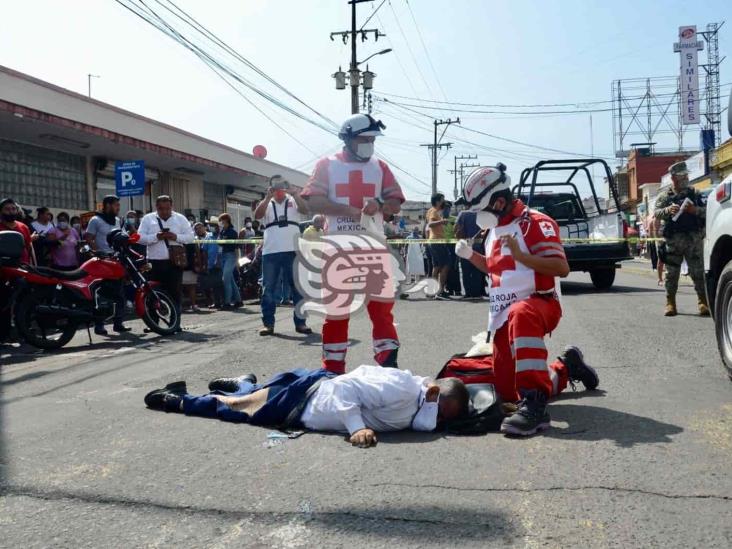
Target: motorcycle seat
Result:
[[53, 273]]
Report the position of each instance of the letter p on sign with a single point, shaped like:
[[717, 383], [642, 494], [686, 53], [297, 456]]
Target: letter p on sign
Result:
[[127, 178]]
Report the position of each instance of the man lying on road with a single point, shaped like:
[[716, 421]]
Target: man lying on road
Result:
[[367, 400]]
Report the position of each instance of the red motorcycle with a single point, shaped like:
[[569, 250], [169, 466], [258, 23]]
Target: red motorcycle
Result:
[[50, 305]]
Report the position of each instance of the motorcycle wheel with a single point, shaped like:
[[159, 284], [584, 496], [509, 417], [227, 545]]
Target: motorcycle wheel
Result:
[[160, 315], [42, 332]]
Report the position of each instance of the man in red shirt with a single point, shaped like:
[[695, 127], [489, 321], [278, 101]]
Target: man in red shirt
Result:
[[523, 258], [9, 214], [344, 187]]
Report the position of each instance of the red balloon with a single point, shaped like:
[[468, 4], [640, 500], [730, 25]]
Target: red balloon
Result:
[[260, 151]]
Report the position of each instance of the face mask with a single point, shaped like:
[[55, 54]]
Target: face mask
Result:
[[63, 225], [131, 222], [426, 418], [280, 195], [486, 220], [8, 217], [248, 225], [77, 226], [365, 150]]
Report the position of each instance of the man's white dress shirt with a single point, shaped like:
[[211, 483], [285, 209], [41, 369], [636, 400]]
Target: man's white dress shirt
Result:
[[149, 229], [382, 399]]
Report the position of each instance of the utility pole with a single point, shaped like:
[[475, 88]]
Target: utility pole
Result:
[[354, 72], [456, 171], [435, 146]]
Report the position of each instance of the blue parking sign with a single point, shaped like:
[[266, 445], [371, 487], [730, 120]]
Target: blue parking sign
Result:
[[129, 178]]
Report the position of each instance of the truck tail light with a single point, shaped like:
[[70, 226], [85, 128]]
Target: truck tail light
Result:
[[724, 191]]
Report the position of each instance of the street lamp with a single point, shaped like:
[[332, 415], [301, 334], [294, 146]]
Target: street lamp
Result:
[[88, 80], [382, 52]]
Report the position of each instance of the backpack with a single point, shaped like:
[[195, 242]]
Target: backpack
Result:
[[470, 370], [485, 410]]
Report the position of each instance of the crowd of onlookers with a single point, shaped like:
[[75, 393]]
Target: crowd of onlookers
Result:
[[457, 277], [222, 275]]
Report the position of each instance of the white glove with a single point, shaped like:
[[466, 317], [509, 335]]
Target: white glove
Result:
[[463, 249]]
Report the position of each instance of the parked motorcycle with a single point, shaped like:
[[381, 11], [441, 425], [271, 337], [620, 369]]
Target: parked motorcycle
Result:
[[50, 305]]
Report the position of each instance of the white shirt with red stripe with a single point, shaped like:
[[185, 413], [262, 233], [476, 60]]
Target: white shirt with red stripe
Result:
[[511, 281], [347, 181]]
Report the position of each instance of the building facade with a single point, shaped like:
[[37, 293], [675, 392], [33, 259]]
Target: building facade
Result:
[[58, 149]]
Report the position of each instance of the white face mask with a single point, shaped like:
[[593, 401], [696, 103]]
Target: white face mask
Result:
[[486, 220], [365, 150], [63, 225], [426, 417], [248, 225]]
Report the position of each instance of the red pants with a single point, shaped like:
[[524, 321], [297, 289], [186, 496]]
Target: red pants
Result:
[[519, 353], [335, 337]]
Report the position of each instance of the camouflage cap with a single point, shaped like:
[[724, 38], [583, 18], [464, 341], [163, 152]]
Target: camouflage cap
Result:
[[678, 169]]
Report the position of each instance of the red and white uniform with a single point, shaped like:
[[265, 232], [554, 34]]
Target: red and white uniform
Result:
[[524, 305], [346, 181]]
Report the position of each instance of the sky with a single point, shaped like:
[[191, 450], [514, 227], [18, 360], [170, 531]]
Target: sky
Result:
[[464, 51]]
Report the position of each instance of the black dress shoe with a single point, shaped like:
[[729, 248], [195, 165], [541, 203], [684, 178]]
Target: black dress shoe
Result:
[[121, 328], [168, 398], [230, 384], [101, 331]]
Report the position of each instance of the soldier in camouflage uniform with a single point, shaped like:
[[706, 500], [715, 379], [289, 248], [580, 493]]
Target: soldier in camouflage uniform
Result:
[[684, 237]]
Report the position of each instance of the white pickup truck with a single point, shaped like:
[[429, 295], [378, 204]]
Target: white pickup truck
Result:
[[718, 266], [718, 261]]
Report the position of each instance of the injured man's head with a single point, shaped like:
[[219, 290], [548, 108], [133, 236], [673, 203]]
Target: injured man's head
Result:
[[453, 399]]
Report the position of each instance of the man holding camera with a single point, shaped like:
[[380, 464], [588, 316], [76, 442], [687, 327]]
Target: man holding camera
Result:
[[280, 213]]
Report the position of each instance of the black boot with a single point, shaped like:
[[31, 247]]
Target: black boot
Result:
[[391, 360], [230, 384], [578, 370], [168, 398], [530, 417]]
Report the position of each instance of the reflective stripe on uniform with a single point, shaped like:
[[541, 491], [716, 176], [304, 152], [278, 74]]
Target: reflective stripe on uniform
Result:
[[335, 351], [541, 245], [527, 343], [527, 364], [549, 253], [335, 346], [381, 345]]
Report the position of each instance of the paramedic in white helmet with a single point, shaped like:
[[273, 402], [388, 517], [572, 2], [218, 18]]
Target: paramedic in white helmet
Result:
[[523, 258], [343, 187]]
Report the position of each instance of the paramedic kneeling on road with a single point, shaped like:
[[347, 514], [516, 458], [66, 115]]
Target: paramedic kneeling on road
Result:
[[523, 255]]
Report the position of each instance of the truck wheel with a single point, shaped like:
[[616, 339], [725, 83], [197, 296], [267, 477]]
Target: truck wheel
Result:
[[723, 317], [602, 278]]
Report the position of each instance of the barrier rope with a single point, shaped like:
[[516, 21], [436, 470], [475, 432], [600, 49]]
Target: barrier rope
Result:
[[631, 240]]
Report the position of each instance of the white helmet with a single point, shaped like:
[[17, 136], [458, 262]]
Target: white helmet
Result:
[[360, 124], [482, 184]]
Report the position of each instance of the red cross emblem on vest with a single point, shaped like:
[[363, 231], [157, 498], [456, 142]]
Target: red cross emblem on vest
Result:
[[355, 190], [497, 263]]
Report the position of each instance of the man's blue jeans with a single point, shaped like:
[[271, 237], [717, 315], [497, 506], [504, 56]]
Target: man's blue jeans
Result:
[[274, 266]]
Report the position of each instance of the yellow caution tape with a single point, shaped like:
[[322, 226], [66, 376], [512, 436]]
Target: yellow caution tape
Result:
[[632, 240]]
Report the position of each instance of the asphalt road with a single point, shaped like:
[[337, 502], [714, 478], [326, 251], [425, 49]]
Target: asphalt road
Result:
[[646, 462]]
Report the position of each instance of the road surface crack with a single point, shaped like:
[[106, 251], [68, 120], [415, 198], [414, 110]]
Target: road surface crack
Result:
[[620, 489]]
